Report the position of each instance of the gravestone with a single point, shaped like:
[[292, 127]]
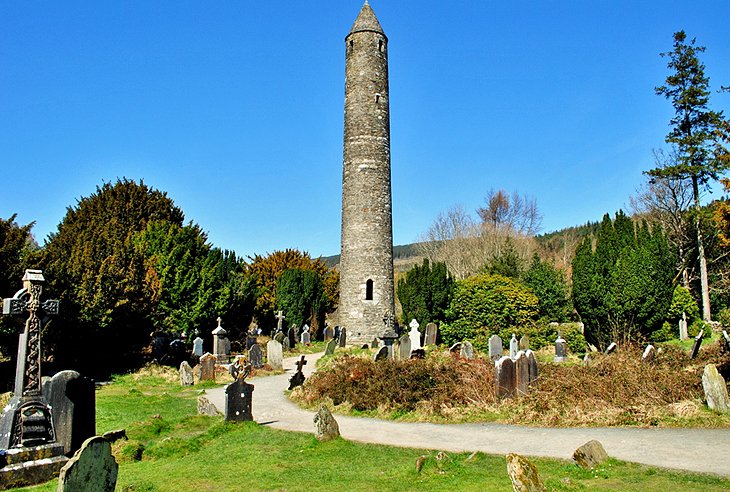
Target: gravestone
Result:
[[255, 356], [306, 338], [455, 349], [93, 467], [505, 377], [610, 348], [375, 343], [325, 425], [726, 339], [275, 355], [382, 354], [683, 335], [522, 373], [279, 337], [389, 336], [221, 344], [177, 353], [207, 367], [415, 335], [186, 374], [238, 401], [198, 347], [590, 455], [495, 348], [696, 345], [514, 346], [292, 337], [285, 344], [715, 389], [160, 345], [649, 354], [523, 474], [467, 350], [72, 399], [343, 337], [404, 347], [280, 321], [337, 332], [298, 378], [532, 364], [431, 334], [206, 407], [418, 354], [330, 348], [524, 343], [329, 334], [561, 349]]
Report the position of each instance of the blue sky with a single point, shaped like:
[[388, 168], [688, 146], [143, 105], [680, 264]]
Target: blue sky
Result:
[[235, 109]]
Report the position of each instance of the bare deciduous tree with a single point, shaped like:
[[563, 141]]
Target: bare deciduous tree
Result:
[[515, 212]]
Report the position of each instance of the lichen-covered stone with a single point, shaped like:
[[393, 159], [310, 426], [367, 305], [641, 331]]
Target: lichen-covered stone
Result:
[[523, 474], [325, 425], [590, 455], [206, 407], [92, 468], [715, 389]]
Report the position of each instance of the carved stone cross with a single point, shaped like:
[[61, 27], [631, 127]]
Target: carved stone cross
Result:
[[280, 320], [300, 365]]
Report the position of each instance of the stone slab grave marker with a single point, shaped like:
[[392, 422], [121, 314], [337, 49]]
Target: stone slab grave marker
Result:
[[330, 348], [523, 474], [590, 455], [198, 347], [495, 348], [285, 346], [561, 349], [505, 377], [610, 348], [298, 378], [325, 425], [93, 467], [524, 343], [404, 347], [306, 338], [381, 354], [279, 337], [649, 354], [375, 343], [239, 398], [683, 335], [715, 389], [329, 334], [467, 350], [221, 344], [522, 373], [27, 433], [292, 336], [431, 334], [207, 367], [697, 344], [72, 398], [186, 374], [343, 337], [414, 335], [389, 336], [532, 363], [255, 356], [514, 346], [275, 355]]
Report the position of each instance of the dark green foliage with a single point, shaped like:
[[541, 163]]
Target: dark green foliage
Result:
[[425, 293], [507, 263], [622, 287], [301, 295], [484, 304], [549, 285], [543, 334]]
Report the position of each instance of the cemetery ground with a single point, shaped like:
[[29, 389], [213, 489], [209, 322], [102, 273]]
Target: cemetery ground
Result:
[[170, 448]]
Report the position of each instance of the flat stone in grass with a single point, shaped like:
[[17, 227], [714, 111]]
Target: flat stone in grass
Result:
[[92, 468], [186, 374], [523, 474], [715, 389], [590, 455], [325, 425]]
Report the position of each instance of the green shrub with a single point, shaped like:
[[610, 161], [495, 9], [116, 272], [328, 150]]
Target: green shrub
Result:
[[549, 285], [543, 334], [724, 318]]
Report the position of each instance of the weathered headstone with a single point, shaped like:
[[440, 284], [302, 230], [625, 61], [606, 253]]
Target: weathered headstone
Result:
[[238, 401], [198, 347], [279, 337], [255, 356], [275, 355], [697, 344], [649, 354], [285, 344], [561, 349], [207, 367], [532, 363], [683, 335], [523, 474], [514, 346], [431, 334], [72, 398], [375, 343], [495, 348], [525, 342], [306, 338], [329, 333], [726, 339], [610, 348], [221, 344], [298, 378], [325, 425], [92, 468], [292, 336], [382, 354], [522, 373], [343, 337], [206, 407], [404, 347], [280, 321], [505, 377], [186, 374], [590, 455], [330, 348], [467, 350], [715, 389]]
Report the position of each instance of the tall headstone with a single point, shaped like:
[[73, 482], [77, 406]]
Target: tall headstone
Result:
[[415, 335], [467, 350], [186, 374], [255, 356], [404, 347], [366, 260], [514, 346], [522, 373], [524, 343], [683, 335], [207, 367], [343, 337], [431, 334], [495, 348], [306, 337], [696, 346], [198, 347], [73, 400], [221, 344], [329, 333], [238, 396], [93, 467], [292, 336], [561, 349], [715, 389], [389, 336], [505, 377], [275, 355]]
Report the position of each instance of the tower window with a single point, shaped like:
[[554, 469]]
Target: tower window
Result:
[[352, 43], [381, 45], [369, 290], [377, 98]]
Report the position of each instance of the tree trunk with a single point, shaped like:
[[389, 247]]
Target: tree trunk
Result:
[[706, 316]]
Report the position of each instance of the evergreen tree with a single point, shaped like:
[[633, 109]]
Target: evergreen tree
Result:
[[425, 292], [300, 294], [549, 285]]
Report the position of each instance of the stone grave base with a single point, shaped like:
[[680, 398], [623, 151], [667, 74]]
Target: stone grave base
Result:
[[30, 465]]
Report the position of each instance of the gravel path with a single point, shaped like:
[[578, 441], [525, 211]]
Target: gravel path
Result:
[[700, 450]]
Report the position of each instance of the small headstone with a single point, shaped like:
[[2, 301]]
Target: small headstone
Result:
[[525, 343], [292, 335], [375, 343], [697, 344], [418, 354], [522, 373], [382, 354], [298, 378], [206, 407], [610, 348], [238, 401], [514, 346], [561, 349], [186, 374], [590, 455], [330, 348], [532, 363], [415, 336], [523, 474], [715, 389], [306, 338], [275, 354], [255, 356], [207, 367], [73, 400], [455, 348], [495, 348], [325, 425], [285, 344], [365, 346], [649, 354], [505, 377], [431, 334], [683, 335], [404, 347], [92, 468], [198, 347], [279, 337], [467, 350], [329, 334], [343, 337]]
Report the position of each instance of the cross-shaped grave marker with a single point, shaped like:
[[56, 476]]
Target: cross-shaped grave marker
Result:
[[280, 320], [298, 378]]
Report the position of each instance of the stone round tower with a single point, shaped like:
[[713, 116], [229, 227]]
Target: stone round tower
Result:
[[366, 262]]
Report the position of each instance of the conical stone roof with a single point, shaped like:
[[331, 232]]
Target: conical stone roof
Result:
[[366, 21]]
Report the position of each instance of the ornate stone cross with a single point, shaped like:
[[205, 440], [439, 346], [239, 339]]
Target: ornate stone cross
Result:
[[280, 320]]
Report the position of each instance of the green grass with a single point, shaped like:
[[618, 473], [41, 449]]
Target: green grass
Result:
[[182, 451]]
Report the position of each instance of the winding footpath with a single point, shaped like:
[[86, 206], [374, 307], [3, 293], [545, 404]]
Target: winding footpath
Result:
[[698, 450]]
